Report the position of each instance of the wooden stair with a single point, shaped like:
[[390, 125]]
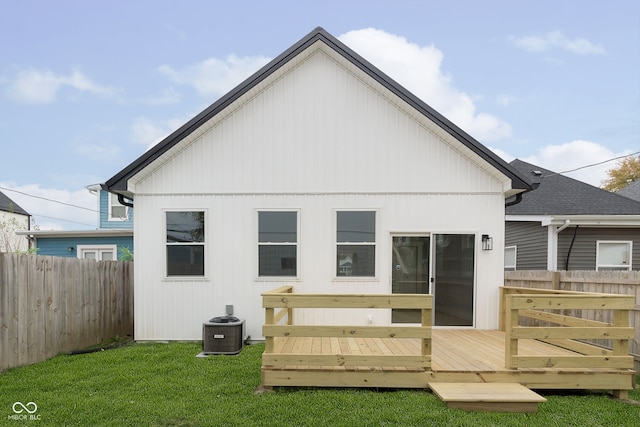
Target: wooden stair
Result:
[[492, 397]]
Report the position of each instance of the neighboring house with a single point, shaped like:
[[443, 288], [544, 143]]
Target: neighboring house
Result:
[[631, 191], [320, 172], [12, 219], [566, 224], [115, 232]]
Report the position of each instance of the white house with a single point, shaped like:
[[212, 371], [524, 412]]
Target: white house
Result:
[[321, 172], [12, 219]]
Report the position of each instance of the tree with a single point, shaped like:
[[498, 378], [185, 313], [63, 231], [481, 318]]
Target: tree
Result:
[[9, 240], [626, 171]]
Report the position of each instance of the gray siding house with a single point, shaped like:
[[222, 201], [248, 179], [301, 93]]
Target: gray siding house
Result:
[[566, 224]]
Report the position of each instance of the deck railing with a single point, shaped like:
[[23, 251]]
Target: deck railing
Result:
[[556, 327], [280, 303]]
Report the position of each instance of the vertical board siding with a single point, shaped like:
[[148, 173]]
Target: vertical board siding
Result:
[[50, 305], [306, 132], [316, 136], [174, 309], [610, 282]]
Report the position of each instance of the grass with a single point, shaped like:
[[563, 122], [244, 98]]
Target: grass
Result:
[[166, 385]]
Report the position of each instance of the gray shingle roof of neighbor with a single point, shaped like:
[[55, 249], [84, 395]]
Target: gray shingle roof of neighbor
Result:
[[631, 191], [118, 183], [8, 205], [561, 195]]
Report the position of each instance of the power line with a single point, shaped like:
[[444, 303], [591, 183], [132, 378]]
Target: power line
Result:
[[591, 165], [49, 200], [65, 220]]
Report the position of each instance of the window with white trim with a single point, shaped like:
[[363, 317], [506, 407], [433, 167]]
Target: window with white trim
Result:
[[510, 257], [98, 252], [277, 243], [185, 243], [356, 243], [613, 255], [117, 211]]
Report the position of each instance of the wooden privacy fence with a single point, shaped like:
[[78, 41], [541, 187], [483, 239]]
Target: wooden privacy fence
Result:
[[561, 330], [607, 282], [50, 305], [280, 303]]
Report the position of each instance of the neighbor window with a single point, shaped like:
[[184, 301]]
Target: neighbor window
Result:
[[510, 254], [356, 243], [613, 255], [185, 243], [117, 211], [97, 252], [277, 243]]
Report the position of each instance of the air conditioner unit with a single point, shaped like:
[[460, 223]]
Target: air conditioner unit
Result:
[[222, 335]]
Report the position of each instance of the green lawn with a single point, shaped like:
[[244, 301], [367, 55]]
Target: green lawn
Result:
[[166, 385]]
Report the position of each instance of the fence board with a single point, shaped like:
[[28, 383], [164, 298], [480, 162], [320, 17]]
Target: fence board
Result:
[[612, 282], [50, 305]]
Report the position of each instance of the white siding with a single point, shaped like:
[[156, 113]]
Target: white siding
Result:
[[10, 223], [315, 137], [168, 309]]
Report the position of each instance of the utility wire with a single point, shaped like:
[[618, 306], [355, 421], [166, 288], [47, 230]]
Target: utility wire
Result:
[[594, 164], [50, 200], [65, 220]]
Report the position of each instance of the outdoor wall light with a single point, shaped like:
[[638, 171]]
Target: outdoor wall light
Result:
[[487, 242], [70, 248]]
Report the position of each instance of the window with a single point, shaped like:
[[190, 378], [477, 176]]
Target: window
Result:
[[510, 256], [98, 252], [356, 243], [185, 243], [277, 243], [613, 255], [117, 212]]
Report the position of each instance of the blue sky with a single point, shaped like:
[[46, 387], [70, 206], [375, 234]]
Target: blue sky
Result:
[[86, 87]]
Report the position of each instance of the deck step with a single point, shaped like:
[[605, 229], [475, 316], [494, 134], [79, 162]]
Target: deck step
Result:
[[493, 397]]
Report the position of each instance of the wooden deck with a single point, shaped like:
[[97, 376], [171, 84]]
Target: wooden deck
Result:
[[541, 344], [458, 355]]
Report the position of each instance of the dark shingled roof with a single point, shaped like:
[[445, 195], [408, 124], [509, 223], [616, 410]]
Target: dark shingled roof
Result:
[[561, 195], [118, 183], [8, 205], [631, 191]]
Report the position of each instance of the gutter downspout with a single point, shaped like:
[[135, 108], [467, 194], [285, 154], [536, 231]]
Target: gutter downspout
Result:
[[566, 264], [121, 200], [552, 245]]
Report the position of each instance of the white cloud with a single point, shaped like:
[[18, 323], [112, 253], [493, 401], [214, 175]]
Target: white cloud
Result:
[[148, 133], [556, 39], [165, 97], [576, 154], [32, 86], [418, 68], [213, 76], [50, 215], [98, 152], [505, 100]]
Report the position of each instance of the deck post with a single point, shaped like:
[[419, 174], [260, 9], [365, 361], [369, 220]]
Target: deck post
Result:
[[510, 344], [426, 342], [269, 320]]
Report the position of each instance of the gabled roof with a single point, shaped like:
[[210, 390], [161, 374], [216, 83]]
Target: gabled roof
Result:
[[561, 195], [8, 205], [118, 183], [631, 191]]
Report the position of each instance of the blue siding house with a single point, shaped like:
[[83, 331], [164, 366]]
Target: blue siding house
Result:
[[110, 241]]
